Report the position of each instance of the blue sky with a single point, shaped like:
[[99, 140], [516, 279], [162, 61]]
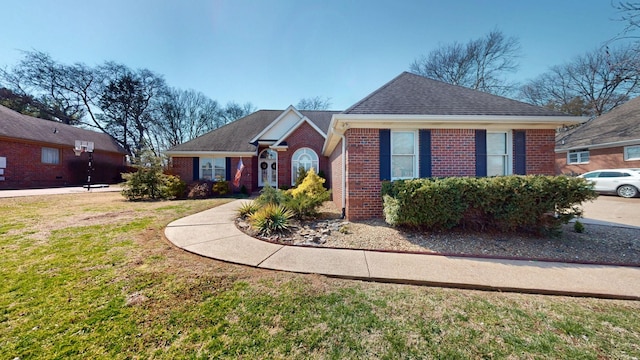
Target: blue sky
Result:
[[273, 53]]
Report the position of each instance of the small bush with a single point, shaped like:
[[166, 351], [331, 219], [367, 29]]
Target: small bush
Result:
[[578, 227], [312, 185], [244, 190], [221, 188], [247, 209], [200, 190], [173, 187], [271, 219], [308, 196], [149, 182], [270, 195]]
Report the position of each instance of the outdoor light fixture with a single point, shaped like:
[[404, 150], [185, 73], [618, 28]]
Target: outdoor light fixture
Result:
[[82, 147]]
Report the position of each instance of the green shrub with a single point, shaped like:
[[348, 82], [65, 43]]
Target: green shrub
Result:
[[247, 209], [578, 227], [505, 203], [221, 188], [149, 182], [312, 185], [271, 219], [269, 195], [173, 187]]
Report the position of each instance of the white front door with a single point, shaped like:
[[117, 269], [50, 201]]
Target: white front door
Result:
[[268, 168]]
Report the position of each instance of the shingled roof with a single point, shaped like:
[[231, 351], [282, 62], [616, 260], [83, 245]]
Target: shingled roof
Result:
[[410, 94], [235, 136], [14, 125], [621, 124]]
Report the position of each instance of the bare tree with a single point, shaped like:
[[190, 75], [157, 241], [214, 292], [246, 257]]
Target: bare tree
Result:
[[187, 114], [234, 111], [480, 64], [314, 103], [591, 84]]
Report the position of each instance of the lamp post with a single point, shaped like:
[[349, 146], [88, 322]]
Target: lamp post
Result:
[[85, 146]]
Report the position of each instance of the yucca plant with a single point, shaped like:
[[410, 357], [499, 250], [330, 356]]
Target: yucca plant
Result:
[[271, 219], [247, 209]]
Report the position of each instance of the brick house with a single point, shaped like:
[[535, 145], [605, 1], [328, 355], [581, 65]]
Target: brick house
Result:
[[411, 127], [609, 141], [37, 153]]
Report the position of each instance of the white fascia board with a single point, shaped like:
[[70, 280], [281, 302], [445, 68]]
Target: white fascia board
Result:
[[209, 153], [296, 126], [277, 120], [602, 146]]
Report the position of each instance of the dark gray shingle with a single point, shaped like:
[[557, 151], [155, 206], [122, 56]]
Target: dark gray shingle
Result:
[[412, 94]]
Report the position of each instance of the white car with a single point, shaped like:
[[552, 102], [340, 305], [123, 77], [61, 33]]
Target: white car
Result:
[[624, 182]]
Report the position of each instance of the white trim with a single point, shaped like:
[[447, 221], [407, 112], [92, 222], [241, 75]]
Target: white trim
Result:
[[317, 161], [209, 153], [415, 154], [274, 122], [270, 170], [509, 145], [579, 156]]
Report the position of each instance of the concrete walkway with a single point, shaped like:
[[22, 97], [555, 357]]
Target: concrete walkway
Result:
[[59, 190], [213, 234]]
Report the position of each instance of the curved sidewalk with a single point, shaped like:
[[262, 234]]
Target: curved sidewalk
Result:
[[212, 233]]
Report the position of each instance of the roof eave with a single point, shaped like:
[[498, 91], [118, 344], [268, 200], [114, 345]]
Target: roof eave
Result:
[[201, 153]]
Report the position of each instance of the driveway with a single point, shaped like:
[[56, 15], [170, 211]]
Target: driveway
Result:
[[613, 209]]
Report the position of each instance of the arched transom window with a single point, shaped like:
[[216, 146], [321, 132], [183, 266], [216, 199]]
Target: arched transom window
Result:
[[303, 158]]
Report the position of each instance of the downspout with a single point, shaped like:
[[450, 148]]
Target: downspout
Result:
[[344, 176]]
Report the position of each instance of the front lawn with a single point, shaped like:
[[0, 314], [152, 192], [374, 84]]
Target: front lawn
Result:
[[90, 276]]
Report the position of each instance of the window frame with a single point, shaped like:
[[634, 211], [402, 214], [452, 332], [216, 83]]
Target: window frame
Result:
[[218, 166], [48, 153], [414, 155], [315, 163], [626, 153], [507, 155], [580, 155]]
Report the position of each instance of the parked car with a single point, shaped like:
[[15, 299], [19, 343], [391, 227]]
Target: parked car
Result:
[[624, 182]]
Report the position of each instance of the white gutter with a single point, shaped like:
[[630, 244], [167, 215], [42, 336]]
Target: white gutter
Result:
[[601, 146]]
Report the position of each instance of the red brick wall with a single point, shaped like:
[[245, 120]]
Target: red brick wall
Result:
[[453, 152], [335, 174], [304, 136], [540, 151], [183, 168], [26, 170], [598, 159], [363, 174]]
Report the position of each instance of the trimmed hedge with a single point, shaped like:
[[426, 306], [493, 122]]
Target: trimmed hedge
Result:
[[505, 203]]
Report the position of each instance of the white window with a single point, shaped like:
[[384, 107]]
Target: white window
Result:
[[212, 169], [404, 154], [304, 158], [632, 152], [578, 157], [499, 153], [50, 156]]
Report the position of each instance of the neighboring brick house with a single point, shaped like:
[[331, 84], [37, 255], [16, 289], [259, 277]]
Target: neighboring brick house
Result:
[[609, 141], [36, 153], [411, 127]]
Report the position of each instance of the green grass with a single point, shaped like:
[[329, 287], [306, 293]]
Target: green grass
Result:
[[91, 276]]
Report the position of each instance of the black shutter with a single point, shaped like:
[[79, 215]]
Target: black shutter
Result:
[[481, 152], [520, 152], [227, 168], [425, 153], [196, 169], [385, 154]]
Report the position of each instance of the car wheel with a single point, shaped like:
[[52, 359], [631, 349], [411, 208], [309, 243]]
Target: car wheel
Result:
[[627, 191]]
